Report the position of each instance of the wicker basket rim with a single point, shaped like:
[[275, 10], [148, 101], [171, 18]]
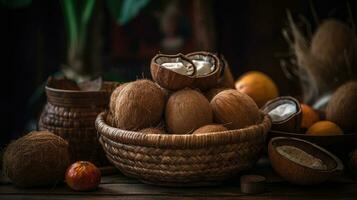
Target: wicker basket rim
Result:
[[102, 90], [182, 141]]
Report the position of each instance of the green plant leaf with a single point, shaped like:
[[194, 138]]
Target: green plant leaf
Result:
[[15, 3], [125, 10], [87, 13], [69, 12]]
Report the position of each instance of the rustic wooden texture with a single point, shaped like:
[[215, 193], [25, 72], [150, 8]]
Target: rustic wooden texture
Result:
[[118, 186]]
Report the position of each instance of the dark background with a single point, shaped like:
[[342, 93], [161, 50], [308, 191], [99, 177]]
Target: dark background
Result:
[[33, 46]]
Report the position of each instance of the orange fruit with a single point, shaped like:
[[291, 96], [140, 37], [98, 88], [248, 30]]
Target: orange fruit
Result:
[[259, 86], [322, 128], [309, 116]]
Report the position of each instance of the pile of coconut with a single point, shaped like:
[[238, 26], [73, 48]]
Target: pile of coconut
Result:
[[189, 94]]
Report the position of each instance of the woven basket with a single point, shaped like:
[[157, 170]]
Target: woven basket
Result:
[[71, 115], [182, 160]]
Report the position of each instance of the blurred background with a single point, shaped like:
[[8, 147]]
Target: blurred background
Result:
[[116, 39]]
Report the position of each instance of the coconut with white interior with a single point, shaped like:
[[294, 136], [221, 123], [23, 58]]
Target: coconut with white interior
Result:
[[208, 69], [172, 72]]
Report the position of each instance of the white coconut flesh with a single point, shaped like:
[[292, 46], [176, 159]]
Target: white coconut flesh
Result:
[[283, 111], [205, 65], [177, 65]]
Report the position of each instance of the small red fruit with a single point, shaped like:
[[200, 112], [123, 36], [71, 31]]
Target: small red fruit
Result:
[[83, 176]]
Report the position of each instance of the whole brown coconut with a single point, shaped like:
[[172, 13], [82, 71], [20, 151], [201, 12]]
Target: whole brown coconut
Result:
[[334, 47], [235, 109], [332, 42], [187, 110], [210, 128], [114, 95], [342, 107], [110, 119], [213, 92], [112, 102], [139, 105], [37, 159]]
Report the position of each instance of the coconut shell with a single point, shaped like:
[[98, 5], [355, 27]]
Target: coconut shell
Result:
[[210, 128], [342, 107], [139, 105], [226, 79], [169, 79], [235, 109], [205, 82], [288, 123], [39, 158], [187, 110]]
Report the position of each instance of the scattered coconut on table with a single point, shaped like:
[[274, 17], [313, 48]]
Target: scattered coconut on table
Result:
[[39, 158]]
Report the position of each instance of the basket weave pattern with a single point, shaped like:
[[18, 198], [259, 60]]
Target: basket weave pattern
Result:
[[182, 159], [71, 115]]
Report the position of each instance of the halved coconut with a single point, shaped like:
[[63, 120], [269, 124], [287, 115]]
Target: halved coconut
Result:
[[172, 72], [285, 113], [208, 69]]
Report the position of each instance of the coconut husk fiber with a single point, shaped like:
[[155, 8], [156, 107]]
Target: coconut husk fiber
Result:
[[325, 63], [140, 104], [39, 158]]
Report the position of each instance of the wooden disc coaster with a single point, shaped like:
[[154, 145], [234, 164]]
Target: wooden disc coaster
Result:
[[252, 184]]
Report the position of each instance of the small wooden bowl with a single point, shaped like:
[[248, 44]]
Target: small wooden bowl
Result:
[[339, 145], [300, 174]]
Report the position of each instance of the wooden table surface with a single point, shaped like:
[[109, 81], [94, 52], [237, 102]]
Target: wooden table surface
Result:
[[117, 186]]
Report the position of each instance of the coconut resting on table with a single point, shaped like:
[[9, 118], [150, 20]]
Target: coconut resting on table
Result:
[[39, 158]]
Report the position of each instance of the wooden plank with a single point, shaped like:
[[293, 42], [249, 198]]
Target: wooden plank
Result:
[[118, 178], [174, 197], [118, 186], [230, 190]]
